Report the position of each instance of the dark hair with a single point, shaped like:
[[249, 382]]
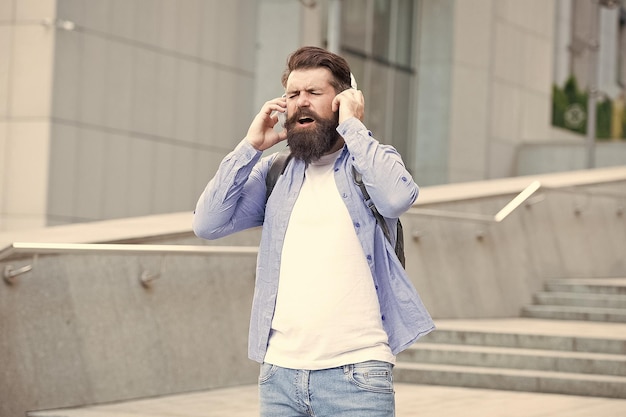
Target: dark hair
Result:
[[309, 57]]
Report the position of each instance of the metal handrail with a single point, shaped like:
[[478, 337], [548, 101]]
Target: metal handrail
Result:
[[579, 189], [19, 248], [517, 201], [56, 248]]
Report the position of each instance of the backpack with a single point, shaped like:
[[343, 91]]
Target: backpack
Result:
[[277, 168]]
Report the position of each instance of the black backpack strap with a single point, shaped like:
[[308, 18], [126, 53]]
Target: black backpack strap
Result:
[[399, 246], [400, 243], [358, 179], [277, 167]]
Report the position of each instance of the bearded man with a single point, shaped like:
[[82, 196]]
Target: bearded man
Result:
[[333, 305]]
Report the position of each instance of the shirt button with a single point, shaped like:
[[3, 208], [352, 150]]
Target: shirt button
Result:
[[376, 286], [345, 195], [357, 224], [404, 179], [369, 132], [369, 257], [383, 317]]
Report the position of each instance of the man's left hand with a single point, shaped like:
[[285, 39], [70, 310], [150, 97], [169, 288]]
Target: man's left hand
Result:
[[350, 103]]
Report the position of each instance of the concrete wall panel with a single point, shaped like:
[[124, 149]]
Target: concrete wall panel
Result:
[[63, 156], [140, 179], [167, 27], [82, 330], [34, 9], [7, 11], [467, 269], [167, 110], [119, 86], [147, 22], [66, 98], [91, 170], [6, 37], [183, 193], [158, 75], [31, 71], [92, 84], [123, 13], [189, 26], [28, 170], [468, 139], [118, 163], [186, 101], [144, 87]]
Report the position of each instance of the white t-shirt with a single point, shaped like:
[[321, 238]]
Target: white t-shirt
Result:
[[327, 312]]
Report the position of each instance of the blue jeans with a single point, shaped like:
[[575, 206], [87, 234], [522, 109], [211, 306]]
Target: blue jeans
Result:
[[360, 390]]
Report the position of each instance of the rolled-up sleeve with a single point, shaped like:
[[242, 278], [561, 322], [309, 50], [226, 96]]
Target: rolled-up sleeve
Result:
[[389, 184], [234, 199]]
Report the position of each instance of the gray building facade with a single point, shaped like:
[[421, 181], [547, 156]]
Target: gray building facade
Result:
[[123, 108]]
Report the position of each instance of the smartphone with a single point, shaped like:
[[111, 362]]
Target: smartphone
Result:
[[282, 118]]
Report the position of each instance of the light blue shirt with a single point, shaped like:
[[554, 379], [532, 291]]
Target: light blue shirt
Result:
[[234, 200]]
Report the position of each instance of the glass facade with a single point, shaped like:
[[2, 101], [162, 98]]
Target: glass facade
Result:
[[377, 40]]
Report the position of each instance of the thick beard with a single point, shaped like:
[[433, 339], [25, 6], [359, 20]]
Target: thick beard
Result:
[[311, 143]]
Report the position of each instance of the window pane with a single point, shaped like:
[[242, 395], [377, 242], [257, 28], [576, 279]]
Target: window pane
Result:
[[357, 65], [377, 40], [404, 41], [354, 24], [401, 119], [376, 105], [382, 16]]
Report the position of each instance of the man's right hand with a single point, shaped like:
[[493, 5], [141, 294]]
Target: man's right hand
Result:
[[261, 134]]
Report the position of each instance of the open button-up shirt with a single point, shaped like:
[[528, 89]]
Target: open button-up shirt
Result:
[[235, 199]]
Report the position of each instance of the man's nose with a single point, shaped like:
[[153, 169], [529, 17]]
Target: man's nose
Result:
[[303, 100]]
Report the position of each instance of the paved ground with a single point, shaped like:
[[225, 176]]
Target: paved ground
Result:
[[411, 401]]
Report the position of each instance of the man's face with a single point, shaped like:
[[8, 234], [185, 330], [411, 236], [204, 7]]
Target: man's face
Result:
[[311, 124]]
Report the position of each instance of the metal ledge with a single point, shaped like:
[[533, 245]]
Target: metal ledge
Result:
[[20, 248], [10, 274], [483, 218]]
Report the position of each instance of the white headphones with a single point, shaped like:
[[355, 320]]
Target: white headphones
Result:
[[282, 116]]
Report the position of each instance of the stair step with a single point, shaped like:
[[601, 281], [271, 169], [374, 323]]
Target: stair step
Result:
[[512, 379], [611, 315], [580, 299], [614, 286], [528, 340], [502, 357]]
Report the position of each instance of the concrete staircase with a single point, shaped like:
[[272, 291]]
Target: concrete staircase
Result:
[[572, 341], [581, 299]]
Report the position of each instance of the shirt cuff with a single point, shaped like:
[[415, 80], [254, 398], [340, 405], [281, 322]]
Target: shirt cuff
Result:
[[244, 147], [352, 126]]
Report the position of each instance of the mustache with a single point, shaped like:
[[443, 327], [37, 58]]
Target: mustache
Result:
[[300, 114]]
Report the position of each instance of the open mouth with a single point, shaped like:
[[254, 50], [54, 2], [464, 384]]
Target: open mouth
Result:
[[305, 120]]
